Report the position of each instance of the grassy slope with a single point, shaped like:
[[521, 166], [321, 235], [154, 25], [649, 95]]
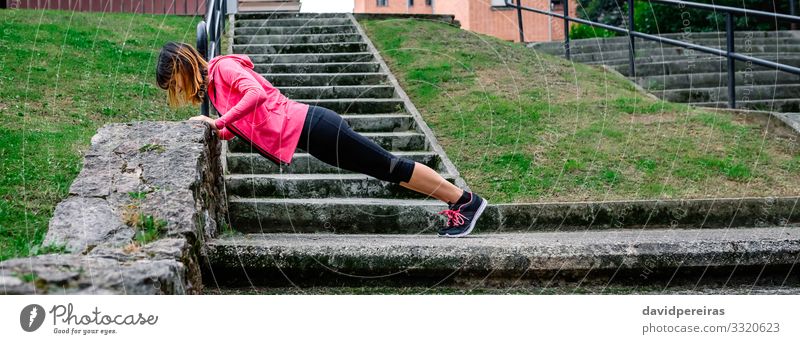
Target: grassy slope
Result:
[[522, 126], [63, 75]]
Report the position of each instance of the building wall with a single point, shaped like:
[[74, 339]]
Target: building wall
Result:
[[480, 16], [131, 6], [393, 6], [459, 9], [502, 22]]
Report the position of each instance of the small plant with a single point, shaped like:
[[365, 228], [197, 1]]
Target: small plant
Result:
[[152, 147], [149, 228], [138, 195], [47, 249], [227, 230], [29, 277]]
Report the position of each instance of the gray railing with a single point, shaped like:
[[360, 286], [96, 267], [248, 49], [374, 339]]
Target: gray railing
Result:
[[729, 52], [209, 35]]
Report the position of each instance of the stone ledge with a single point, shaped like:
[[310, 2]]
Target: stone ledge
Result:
[[162, 179]]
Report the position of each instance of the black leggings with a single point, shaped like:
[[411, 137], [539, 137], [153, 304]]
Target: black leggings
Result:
[[328, 137]]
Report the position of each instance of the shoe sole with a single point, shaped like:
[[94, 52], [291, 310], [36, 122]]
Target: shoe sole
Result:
[[471, 225]]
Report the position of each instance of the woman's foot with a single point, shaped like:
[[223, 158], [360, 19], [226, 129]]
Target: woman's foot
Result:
[[462, 215]]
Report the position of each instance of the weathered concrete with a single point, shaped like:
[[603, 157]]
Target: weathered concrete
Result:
[[313, 48], [304, 22], [326, 79], [286, 15], [305, 58], [297, 38], [295, 68], [678, 81], [166, 266], [241, 163], [720, 94], [358, 105], [336, 215], [279, 214], [347, 91], [294, 30], [678, 72], [167, 171], [393, 141], [498, 258], [778, 105], [317, 185]]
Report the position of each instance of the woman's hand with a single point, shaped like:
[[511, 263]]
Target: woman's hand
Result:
[[205, 119]]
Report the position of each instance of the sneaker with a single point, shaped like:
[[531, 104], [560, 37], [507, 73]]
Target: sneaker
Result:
[[461, 218]]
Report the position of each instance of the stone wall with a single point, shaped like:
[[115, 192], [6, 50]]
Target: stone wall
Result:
[[137, 215]]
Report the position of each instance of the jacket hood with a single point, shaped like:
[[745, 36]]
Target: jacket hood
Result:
[[244, 60]]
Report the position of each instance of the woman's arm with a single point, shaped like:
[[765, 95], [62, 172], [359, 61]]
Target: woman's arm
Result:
[[238, 78], [225, 134]]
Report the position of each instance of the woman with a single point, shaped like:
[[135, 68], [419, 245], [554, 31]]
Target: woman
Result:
[[255, 111]]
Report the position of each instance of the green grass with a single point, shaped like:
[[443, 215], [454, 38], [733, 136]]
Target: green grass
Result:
[[62, 76], [524, 126]]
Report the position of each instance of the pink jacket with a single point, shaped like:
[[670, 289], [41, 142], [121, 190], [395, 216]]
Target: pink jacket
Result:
[[253, 109]]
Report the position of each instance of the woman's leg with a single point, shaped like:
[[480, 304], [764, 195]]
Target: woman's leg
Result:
[[427, 181], [328, 137]]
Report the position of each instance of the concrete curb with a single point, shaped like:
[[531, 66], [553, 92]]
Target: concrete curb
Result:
[[634, 256]]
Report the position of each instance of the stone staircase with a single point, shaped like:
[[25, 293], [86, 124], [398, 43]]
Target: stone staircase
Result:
[[324, 60], [313, 224], [686, 76]]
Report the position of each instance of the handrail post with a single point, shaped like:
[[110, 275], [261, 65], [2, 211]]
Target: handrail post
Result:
[[519, 21], [566, 29], [793, 11], [631, 46], [731, 62], [202, 48]]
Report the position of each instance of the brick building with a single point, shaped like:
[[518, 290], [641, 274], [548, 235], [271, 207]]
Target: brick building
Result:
[[489, 17]]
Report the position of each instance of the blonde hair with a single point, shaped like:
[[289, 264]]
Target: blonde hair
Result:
[[180, 60]]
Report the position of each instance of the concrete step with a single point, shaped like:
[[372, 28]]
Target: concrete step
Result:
[[681, 81], [306, 58], [720, 94], [268, 6], [297, 38], [316, 185], [598, 58], [240, 163], [284, 15], [292, 22], [335, 215], [394, 141], [294, 30], [339, 47], [697, 58], [691, 36], [300, 68], [778, 105], [359, 105], [742, 44], [324, 92], [645, 257], [708, 65], [327, 79]]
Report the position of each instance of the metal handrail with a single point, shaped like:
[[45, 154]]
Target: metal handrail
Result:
[[209, 34], [729, 52]]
